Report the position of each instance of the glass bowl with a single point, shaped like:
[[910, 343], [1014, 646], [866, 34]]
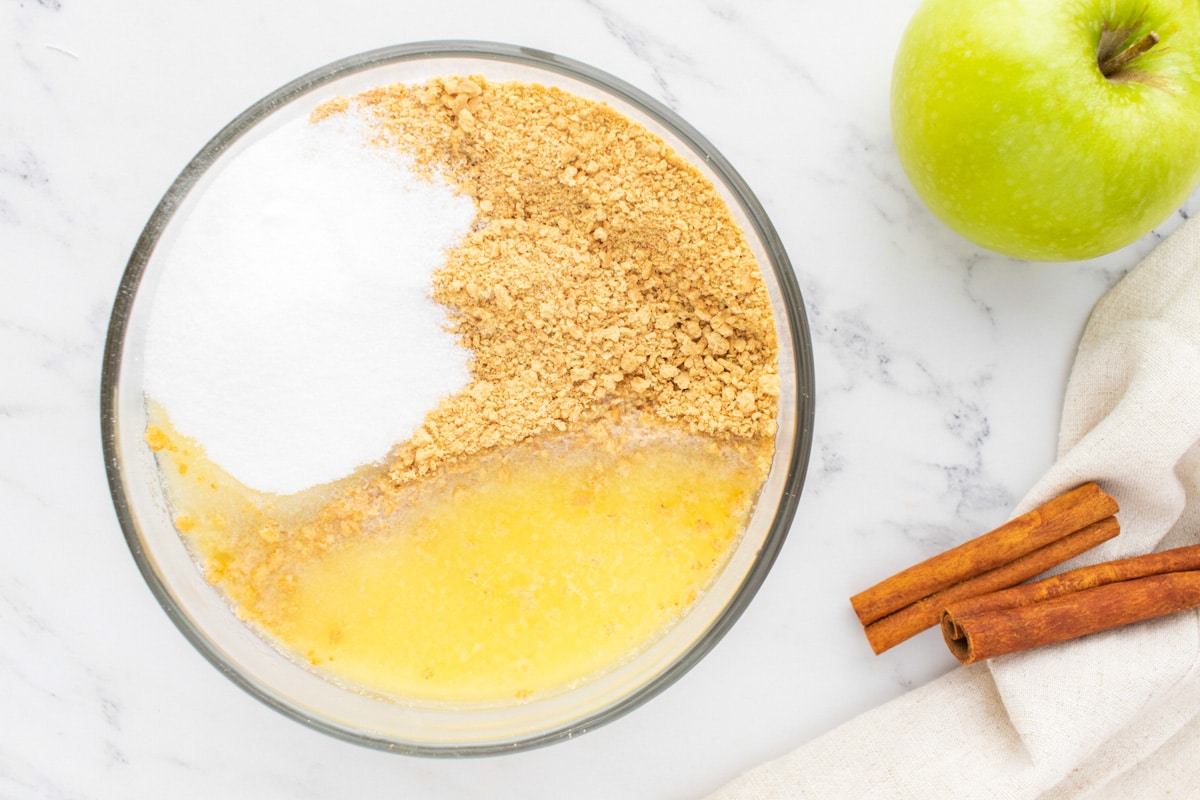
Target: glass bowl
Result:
[[207, 619]]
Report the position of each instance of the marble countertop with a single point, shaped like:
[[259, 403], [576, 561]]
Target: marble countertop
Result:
[[940, 370]]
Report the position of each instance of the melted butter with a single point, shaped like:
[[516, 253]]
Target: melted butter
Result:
[[525, 574]]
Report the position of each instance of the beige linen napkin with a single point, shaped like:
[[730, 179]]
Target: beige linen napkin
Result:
[[1114, 715]]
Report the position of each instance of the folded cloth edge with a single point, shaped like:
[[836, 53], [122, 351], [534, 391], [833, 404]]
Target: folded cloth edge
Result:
[[882, 753]]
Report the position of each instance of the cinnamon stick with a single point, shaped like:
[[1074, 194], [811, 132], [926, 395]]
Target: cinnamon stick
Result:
[[1031, 531], [1076, 603], [925, 613]]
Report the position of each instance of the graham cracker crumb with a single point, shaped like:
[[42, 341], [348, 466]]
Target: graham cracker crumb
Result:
[[603, 270]]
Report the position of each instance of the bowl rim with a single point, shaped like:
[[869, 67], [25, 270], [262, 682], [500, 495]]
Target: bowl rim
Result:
[[778, 261]]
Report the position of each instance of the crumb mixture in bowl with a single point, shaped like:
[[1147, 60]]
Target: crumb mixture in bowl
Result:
[[579, 398], [602, 265]]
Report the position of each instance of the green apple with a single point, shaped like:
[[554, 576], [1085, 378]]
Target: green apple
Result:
[[1050, 130]]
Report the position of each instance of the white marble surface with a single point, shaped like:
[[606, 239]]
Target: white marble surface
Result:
[[940, 370]]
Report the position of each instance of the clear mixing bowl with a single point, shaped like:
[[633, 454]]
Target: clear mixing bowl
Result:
[[206, 617]]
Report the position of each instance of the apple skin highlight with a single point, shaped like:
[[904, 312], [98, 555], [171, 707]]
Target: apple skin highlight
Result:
[[1014, 138]]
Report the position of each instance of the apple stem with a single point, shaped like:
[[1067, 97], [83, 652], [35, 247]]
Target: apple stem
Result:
[[1117, 61]]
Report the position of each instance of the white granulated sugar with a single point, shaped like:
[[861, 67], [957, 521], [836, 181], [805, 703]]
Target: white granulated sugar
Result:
[[292, 334]]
